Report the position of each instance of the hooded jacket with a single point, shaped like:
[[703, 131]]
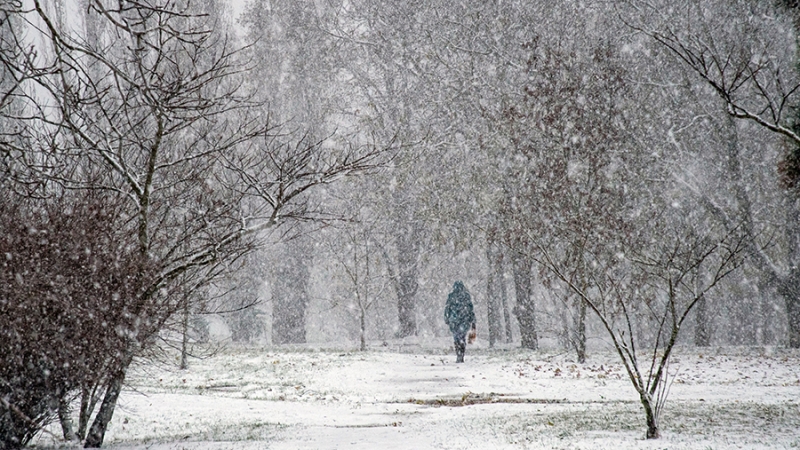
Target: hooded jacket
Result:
[[458, 312]]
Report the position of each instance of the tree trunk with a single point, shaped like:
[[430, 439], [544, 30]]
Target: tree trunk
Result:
[[651, 417], [288, 316], [525, 308], [504, 300], [87, 405], [406, 285], [493, 300], [65, 418], [768, 313], [580, 331], [363, 329], [789, 289], [407, 307], [290, 295], [702, 332], [185, 340], [702, 329], [98, 430]]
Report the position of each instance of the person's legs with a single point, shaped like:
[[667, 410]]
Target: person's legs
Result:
[[461, 346]]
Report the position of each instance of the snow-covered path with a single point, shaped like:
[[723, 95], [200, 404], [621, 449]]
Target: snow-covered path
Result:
[[293, 399]]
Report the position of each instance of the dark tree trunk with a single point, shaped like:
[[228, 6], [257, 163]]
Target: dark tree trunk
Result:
[[493, 294], [789, 289], [289, 314], [702, 331], [504, 300], [185, 338], [88, 401], [362, 331], [770, 332], [525, 309], [65, 418], [580, 331], [98, 430], [406, 284], [290, 296], [651, 417], [407, 306]]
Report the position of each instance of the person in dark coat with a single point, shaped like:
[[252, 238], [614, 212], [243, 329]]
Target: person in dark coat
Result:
[[460, 317]]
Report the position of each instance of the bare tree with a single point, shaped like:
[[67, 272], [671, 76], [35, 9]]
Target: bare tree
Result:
[[152, 113], [663, 278], [382, 49], [567, 129], [740, 50], [358, 257]]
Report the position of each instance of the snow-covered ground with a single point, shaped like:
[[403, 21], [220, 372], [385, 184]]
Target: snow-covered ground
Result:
[[418, 398]]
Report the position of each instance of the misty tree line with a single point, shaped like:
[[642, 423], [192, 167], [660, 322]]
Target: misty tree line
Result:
[[534, 132], [621, 169]]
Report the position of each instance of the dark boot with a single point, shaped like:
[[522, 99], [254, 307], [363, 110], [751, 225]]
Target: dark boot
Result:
[[461, 347]]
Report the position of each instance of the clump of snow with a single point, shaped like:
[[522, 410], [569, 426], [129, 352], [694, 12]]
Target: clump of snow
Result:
[[327, 398]]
